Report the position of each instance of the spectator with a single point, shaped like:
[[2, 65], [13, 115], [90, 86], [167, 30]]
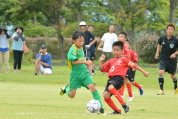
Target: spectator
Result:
[[43, 62], [106, 41], [4, 49], [17, 47]]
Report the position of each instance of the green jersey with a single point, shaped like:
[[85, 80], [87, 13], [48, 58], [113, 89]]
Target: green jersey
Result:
[[75, 54]]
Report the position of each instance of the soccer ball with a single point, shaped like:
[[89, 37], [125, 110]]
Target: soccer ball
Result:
[[93, 106]]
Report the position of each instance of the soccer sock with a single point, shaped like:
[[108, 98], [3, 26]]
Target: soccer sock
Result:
[[111, 104], [137, 85], [129, 88], [67, 90], [175, 83], [161, 82], [121, 90], [114, 92], [97, 97]]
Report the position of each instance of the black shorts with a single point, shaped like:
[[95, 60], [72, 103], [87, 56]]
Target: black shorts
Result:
[[117, 82], [130, 75], [92, 55], [169, 65]]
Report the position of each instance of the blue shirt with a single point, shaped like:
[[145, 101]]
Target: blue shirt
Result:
[[17, 45], [46, 59]]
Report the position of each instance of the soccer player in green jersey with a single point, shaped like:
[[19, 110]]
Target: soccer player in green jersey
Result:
[[79, 76]]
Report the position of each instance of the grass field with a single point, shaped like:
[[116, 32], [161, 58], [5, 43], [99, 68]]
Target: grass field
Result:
[[26, 96]]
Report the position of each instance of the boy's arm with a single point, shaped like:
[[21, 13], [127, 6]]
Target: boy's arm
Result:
[[132, 65], [146, 74]]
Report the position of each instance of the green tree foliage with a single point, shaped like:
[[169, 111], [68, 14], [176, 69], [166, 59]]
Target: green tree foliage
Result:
[[36, 30]]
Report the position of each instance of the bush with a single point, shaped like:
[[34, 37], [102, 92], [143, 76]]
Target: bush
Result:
[[146, 47]]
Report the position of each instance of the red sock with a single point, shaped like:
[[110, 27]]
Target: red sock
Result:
[[117, 95], [111, 104], [121, 90], [137, 85], [129, 88]]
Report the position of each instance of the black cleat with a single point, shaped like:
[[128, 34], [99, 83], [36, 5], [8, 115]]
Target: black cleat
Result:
[[101, 111], [126, 108], [116, 112]]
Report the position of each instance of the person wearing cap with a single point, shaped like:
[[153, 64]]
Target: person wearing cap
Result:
[[18, 41], [87, 43], [43, 62], [4, 49]]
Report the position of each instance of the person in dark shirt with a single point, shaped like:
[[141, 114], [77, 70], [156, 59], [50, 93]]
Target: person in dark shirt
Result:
[[167, 44], [92, 48], [87, 43]]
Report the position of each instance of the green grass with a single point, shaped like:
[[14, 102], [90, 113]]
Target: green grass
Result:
[[26, 96]]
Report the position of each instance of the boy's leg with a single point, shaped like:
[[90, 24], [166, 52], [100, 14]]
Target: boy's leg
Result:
[[96, 95], [121, 90], [109, 101], [114, 92]]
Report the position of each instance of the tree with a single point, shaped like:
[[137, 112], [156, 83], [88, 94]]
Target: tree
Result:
[[172, 9]]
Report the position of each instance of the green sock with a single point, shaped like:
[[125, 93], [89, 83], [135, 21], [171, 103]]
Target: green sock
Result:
[[97, 97], [67, 90]]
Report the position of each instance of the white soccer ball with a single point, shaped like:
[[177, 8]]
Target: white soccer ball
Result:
[[93, 106]]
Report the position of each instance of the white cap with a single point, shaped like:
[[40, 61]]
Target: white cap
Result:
[[82, 23]]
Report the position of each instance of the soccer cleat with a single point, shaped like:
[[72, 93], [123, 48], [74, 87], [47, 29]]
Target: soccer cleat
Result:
[[63, 90], [116, 112], [176, 91], [36, 74], [130, 99], [126, 108], [161, 92], [101, 111], [141, 90]]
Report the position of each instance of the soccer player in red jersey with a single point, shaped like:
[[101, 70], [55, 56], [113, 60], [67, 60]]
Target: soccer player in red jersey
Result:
[[116, 68], [134, 59], [122, 36]]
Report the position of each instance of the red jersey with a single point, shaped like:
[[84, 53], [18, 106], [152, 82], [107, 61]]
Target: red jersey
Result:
[[117, 66], [126, 52], [133, 56]]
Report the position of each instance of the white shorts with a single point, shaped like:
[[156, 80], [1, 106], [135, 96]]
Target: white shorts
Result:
[[45, 70]]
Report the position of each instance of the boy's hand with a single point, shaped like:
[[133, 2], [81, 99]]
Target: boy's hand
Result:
[[146, 74], [102, 58], [89, 62]]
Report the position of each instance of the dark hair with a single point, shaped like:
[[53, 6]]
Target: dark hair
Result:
[[118, 44], [18, 27], [77, 34], [170, 25], [90, 26], [123, 33]]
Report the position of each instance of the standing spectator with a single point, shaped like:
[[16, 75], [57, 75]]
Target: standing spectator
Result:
[[87, 43], [4, 49], [167, 44], [17, 47], [106, 41], [43, 62], [92, 48]]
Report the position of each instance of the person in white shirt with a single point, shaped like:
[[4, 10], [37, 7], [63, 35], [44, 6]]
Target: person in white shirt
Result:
[[106, 41]]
